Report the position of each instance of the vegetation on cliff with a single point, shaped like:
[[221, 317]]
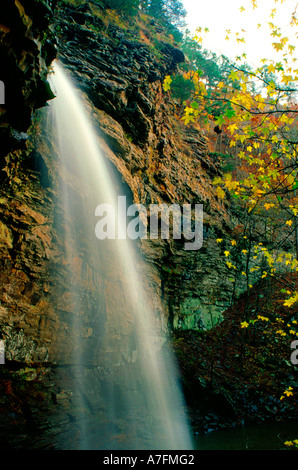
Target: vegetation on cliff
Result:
[[252, 114]]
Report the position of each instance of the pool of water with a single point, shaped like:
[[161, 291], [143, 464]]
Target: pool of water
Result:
[[269, 436]]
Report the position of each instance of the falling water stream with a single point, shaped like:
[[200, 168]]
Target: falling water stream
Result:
[[136, 402]]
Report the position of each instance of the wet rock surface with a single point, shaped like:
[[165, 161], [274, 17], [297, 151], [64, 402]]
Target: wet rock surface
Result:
[[27, 48]]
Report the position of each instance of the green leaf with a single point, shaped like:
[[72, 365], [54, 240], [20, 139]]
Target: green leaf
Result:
[[233, 75], [194, 105], [230, 113], [219, 121]]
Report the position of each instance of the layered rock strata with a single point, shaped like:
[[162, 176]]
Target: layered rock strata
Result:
[[159, 161]]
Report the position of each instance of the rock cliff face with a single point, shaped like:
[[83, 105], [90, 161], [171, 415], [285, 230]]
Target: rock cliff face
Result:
[[159, 161], [26, 48]]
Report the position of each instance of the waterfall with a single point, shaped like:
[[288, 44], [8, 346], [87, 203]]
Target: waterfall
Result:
[[127, 386]]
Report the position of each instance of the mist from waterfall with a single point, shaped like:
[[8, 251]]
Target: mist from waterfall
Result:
[[137, 394]]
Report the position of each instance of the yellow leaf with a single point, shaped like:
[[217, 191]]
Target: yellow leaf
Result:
[[230, 265], [278, 46], [217, 180], [287, 79], [254, 4], [292, 300], [167, 83], [290, 180], [232, 128], [220, 193], [271, 68], [188, 118]]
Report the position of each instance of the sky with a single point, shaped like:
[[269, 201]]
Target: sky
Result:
[[219, 15]]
